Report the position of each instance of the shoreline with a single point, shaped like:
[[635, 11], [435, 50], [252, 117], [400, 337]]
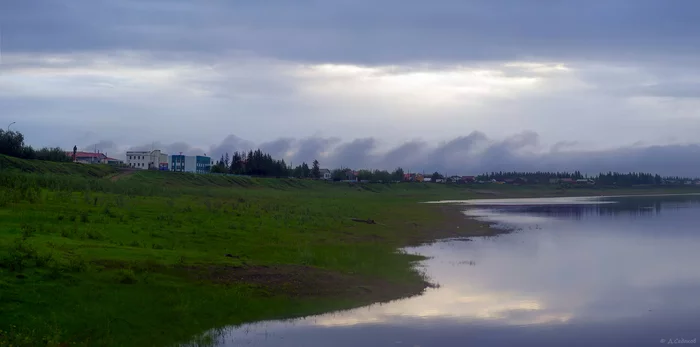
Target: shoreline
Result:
[[367, 291], [211, 252]]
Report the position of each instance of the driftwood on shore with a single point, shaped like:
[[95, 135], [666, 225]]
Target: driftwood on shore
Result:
[[368, 221]]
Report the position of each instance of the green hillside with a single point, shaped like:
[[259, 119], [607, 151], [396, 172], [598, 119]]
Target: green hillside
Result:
[[48, 167]]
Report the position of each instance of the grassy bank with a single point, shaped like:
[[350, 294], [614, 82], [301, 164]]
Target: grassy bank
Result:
[[91, 256]]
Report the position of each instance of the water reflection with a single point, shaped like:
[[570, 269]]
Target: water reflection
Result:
[[617, 272]]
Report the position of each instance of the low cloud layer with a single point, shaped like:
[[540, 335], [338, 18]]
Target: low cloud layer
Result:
[[357, 82], [473, 153]]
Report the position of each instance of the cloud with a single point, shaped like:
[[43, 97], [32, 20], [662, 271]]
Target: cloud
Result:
[[275, 73], [358, 31], [278, 148], [474, 153], [357, 153], [171, 148], [230, 144], [102, 146]]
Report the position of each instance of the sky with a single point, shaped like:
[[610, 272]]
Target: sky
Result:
[[457, 86]]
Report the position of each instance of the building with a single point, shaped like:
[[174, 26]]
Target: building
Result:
[[190, 163], [147, 160], [468, 179], [93, 158], [325, 174]]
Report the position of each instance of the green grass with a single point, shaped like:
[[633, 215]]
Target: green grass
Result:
[[64, 227], [48, 167]]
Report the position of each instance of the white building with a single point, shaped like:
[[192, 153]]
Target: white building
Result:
[[325, 174], [144, 160]]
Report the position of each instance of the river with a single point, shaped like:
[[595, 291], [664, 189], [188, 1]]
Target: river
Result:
[[618, 271]]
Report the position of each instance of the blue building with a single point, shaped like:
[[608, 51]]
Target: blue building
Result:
[[190, 163]]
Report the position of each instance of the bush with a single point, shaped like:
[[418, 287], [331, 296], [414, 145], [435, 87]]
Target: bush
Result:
[[94, 235], [77, 264], [126, 276], [20, 255], [27, 231]]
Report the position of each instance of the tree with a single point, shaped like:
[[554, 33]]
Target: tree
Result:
[[236, 163], [397, 175], [436, 176], [316, 170], [365, 175], [226, 161], [339, 174], [12, 143], [305, 171], [75, 152]]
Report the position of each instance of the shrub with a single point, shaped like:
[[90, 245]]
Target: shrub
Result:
[[94, 235], [27, 231], [77, 264], [126, 276], [19, 256], [44, 260]]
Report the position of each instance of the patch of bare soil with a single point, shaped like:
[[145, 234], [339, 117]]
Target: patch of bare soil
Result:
[[120, 175], [307, 281]]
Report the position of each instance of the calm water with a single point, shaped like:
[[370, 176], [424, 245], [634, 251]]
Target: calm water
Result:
[[576, 272]]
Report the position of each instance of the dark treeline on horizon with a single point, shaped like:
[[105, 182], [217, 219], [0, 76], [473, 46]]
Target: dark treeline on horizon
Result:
[[538, 176], [609, 178], [12, 144], [253, 163]]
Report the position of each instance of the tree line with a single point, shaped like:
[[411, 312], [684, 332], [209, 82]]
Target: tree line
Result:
[[12, 144], [368, 175], [258, 163], [253, 163], [609, 178], [539, 176]]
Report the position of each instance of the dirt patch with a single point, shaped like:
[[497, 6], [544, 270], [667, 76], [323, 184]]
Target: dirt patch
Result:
[[120, 175], [308, 281]]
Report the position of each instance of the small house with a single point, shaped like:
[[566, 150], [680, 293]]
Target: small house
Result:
[[351, 175], [325, 174], [468, 179]]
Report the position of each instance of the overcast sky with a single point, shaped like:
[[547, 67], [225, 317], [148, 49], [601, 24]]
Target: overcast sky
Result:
[[453, 85]]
